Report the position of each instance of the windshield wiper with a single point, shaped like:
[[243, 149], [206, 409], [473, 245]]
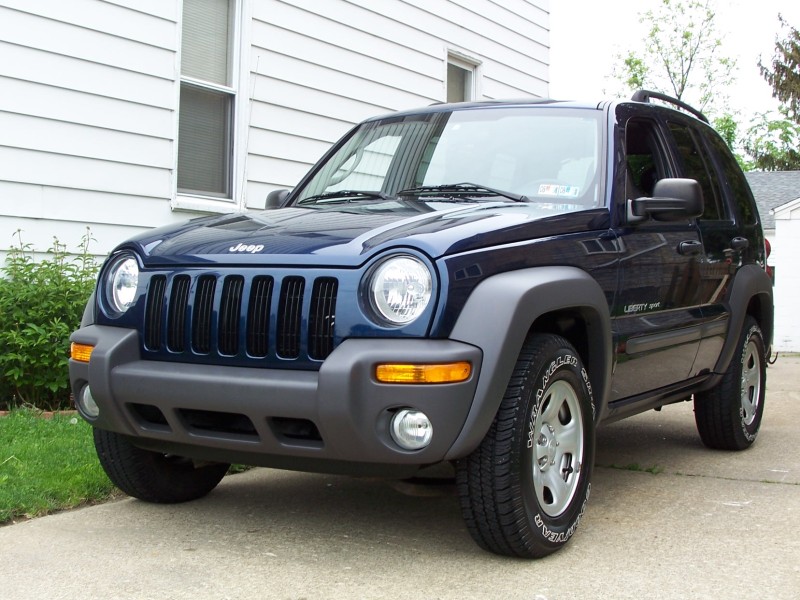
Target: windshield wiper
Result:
[[462, 189], [346, 196]]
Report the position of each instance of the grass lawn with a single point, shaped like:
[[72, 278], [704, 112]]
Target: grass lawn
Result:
[[47, 465]]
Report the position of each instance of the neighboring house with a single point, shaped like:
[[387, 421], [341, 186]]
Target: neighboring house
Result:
[[123, 115], [771, 190], [777, 194], [787, 275]]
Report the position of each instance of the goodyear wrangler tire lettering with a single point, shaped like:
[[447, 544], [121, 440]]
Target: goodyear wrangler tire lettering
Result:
[[536, 460]]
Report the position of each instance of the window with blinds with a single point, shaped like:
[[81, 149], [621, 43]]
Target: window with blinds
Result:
[[207, 98]]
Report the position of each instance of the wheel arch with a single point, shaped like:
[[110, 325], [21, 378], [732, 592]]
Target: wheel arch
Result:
[[504, 309], [751, 294]]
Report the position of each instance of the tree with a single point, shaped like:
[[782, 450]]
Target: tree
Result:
[[680, 56], [774, 142], [728, 128], [784, 76]]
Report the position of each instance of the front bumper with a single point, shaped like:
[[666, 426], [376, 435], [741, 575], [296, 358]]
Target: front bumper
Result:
[[311, 420]]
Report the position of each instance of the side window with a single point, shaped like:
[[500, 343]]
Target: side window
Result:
[[738, 188], [644, 158], [697, 165]]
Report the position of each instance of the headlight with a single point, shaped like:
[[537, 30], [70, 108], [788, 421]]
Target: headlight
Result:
[[400, 289], [122, 279]]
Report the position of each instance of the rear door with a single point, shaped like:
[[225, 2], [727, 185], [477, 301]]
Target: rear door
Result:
[[728, 228]]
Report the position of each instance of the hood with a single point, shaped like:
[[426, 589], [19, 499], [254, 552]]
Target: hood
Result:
[[349, 234]]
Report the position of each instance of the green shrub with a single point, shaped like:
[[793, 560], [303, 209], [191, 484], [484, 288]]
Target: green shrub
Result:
[[41, 304]]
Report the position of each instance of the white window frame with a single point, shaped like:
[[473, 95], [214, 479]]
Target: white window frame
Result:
[[472, 65], [196, 202]]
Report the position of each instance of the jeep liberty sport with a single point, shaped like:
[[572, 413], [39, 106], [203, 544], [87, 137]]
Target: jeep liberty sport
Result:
[[482, 284]]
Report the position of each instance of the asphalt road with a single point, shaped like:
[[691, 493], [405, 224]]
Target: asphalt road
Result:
[[667, 519]]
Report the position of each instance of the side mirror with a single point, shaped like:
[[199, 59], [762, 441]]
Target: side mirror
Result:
[[673, 200], [276, 199]]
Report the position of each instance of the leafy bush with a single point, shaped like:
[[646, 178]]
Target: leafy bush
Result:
[[41, 304]]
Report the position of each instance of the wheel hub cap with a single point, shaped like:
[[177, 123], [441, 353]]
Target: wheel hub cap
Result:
[[751, 383], [558, 448]]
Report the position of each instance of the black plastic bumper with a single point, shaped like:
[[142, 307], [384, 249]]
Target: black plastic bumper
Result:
[[307, 420]]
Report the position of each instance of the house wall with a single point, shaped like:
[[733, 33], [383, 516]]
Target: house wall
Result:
[[785, 250], [89, 92], [87, 118]]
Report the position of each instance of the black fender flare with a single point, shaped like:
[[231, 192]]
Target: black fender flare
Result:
[[89, 312], [751, 282], [497, 318]]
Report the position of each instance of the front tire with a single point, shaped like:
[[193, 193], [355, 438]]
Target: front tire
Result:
[[524, 490], [152, 476], [728, 416]]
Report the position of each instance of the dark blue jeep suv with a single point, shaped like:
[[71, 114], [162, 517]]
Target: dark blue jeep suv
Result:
[[481, 284]]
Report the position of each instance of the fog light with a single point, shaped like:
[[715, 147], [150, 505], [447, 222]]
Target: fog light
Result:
[[411, 429], [87, 404]]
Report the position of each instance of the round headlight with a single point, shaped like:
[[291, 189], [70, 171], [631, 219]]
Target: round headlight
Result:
[[121, 283], [400, 289]]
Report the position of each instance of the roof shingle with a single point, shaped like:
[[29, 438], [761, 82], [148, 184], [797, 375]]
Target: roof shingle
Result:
[[771, 190]]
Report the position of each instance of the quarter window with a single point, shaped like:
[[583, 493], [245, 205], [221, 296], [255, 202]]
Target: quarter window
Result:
[[206, 99]]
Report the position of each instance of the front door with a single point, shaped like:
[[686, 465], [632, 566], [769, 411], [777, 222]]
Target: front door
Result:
[[657, 318]]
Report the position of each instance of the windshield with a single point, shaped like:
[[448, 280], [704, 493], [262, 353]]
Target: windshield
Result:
[[525, 154]]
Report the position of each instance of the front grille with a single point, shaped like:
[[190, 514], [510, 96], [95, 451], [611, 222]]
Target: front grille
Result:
[[225, 316]]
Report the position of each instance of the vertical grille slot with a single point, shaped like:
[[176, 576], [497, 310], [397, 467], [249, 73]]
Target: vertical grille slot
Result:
[[229, 312], [176, 317], [290, 317], [322, 318], [258, 317], [203, 311], [155, 306]]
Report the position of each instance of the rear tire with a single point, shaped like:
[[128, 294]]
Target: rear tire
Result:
[[151, 476], [728, 416], [523, 491]]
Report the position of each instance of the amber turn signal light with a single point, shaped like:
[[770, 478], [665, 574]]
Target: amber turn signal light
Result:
[[409, 373], [80, 352]]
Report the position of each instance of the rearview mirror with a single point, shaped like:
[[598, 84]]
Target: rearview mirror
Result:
[[673, 200]]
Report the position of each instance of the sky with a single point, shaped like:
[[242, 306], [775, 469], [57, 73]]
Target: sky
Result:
[[586, 35]]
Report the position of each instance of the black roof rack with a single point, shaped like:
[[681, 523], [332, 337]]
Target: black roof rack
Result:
[[645, 95]]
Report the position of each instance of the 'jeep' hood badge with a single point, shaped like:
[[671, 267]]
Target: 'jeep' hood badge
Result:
[[252, 248]]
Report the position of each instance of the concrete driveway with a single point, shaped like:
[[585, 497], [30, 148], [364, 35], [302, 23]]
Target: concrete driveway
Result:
[[667, 519]]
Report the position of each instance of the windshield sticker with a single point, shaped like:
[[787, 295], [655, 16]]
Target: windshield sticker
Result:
[[561, 191]]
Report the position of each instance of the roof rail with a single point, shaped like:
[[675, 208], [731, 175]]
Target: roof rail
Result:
[[645, 95]]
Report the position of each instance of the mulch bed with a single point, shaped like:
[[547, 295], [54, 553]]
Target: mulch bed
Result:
[[46, 414]]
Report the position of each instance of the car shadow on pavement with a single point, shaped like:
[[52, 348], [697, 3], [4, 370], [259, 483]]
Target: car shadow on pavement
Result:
[[282, 511]]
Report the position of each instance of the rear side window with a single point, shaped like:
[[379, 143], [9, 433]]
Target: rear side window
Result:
[[738, 188], [697, 165]]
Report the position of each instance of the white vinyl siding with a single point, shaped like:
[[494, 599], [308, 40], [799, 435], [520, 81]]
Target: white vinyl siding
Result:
[[785, 250], [86, 115], [90, 96]]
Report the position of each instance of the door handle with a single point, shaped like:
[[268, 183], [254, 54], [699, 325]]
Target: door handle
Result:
[[739, 243], [690, 247]]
